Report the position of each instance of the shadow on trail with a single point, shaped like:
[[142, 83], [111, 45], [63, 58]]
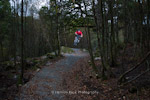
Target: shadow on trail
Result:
[[47, 80]]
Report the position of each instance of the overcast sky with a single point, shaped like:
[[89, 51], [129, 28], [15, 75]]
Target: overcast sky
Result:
[[37, 3], [40, 3]]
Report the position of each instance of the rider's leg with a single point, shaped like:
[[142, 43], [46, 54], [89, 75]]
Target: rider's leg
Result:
[[79, 37], [75, 41]]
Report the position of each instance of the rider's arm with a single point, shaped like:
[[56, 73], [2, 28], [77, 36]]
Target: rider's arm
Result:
[[75, 33], [81, 34]]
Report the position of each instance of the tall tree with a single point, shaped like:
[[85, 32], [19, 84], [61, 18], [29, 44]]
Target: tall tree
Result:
[[5, 20], [112, 36], [22, 43]]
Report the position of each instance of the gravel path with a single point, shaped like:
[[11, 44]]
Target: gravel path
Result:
[[44, 85]]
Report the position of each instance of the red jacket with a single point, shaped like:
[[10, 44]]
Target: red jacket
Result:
[[79, 33]]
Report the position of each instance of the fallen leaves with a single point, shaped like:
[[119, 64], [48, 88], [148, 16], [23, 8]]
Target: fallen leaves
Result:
[[82, 78]]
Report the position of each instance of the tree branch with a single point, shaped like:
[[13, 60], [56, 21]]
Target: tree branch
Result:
[[136, 77], [143, 60]]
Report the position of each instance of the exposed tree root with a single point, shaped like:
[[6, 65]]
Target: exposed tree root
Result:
[[120, 81]]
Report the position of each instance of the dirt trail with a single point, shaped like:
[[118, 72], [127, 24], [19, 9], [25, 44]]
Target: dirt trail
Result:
[[48, 79]]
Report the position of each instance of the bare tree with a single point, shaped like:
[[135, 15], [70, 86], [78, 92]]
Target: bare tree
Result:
[[22, 43]]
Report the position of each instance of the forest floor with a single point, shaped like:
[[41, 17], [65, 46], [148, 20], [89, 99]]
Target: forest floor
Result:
[[9, 76], [72, 78], [45, 85], [83, 82]]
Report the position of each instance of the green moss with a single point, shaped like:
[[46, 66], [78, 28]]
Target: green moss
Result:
[[66, 50], [121, 36], [97, 53], [34, 67], [77, 77], [10, 75], [104, 77], [7, 65], [35, 61], [120, 45], [84, 50], [50, 55], [90, 63], [19, 82]]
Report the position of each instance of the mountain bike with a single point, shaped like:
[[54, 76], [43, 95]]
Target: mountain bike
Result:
[[77, 39]]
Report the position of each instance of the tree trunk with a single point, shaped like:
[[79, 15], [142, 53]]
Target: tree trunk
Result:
[[2, 52], [148, 29], [90, 49], [22, 45], [57, 30], [141, 27], [103, 50], [125, 22], [14, 40], [98, 39], [65, 36], [112, 37], [25, 26]]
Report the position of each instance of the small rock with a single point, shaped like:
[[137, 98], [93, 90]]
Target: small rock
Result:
[[15, 76], [127, 78], [97, 76], [18, 58], [97, 58], [38, 69], [124, 98], [44, 57], [84, 50], [48, 63]]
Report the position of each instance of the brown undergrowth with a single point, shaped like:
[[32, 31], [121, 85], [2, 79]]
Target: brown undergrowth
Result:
[[9, 81], [82, 82]]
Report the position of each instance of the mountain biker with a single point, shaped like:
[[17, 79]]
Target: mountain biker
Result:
[[78, 36], [78, 32]]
